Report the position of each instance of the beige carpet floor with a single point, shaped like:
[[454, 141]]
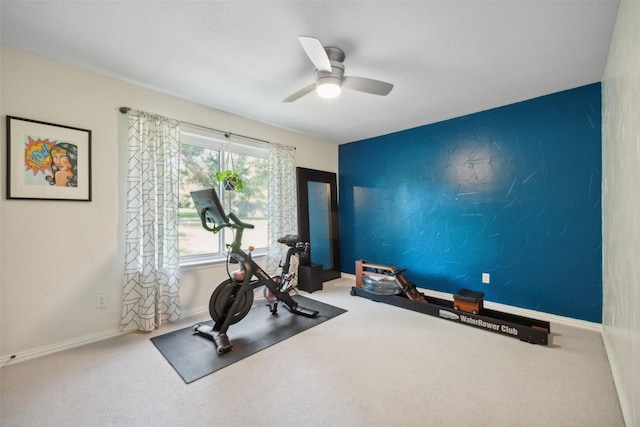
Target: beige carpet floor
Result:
[[376, 365]]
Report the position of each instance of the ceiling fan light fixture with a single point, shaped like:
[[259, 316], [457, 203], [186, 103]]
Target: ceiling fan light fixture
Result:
[[328, 87], [329, 73]]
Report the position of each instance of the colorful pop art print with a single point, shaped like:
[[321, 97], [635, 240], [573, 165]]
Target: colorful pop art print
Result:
[[46, 161]]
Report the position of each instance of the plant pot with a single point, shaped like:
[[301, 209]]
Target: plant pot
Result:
[[230, 183]]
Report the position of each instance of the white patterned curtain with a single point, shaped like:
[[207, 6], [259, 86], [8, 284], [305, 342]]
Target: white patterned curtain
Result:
[[150, 293], [283, 207]]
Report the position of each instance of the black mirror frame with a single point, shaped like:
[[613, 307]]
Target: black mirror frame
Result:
[[305, 175]]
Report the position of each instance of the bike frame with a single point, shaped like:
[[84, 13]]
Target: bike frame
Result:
[[245, 279]]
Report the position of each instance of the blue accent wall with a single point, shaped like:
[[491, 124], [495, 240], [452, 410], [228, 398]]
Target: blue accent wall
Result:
[[514, 191]]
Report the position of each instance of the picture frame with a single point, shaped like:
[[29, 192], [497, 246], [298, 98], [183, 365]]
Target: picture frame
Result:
[[47, 161]]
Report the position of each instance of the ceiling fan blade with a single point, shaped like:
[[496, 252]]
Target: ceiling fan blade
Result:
[[299, 94], [362, 84], [315, 52]]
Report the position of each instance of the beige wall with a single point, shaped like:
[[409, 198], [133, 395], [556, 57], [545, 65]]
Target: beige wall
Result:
[[621, 208], [57, 256]]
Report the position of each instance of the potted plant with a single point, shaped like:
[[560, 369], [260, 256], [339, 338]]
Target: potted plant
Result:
[[230, 180]]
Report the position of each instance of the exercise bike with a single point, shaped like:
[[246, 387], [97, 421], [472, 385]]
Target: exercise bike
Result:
[[232, 299]]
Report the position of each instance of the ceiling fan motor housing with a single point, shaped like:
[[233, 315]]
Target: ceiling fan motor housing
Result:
[[335, 54], [335, 76], [336, 57]]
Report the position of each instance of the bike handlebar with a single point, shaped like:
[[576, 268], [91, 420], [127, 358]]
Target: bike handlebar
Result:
[[238, 225], [237, 220], [217, 227]]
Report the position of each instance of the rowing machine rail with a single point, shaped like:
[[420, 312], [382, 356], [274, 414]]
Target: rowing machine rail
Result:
[[524, 328]]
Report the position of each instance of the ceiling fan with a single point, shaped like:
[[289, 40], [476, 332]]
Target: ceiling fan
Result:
[[329, 73]]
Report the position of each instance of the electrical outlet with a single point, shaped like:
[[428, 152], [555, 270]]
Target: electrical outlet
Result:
[[486, 278], [101, 301]]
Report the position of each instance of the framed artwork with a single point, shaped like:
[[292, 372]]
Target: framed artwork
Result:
[[46, 161]]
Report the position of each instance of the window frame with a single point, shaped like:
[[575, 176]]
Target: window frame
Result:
[[210, 139]]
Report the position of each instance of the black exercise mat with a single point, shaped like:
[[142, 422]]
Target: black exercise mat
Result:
[[194, 356]]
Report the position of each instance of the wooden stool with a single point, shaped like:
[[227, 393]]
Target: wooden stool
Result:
[[468, 301]]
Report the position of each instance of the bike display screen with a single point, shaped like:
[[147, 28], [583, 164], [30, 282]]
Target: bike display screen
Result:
[[209, 201]]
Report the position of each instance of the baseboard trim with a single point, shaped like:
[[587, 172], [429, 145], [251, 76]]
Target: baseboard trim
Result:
[[623, 398], [57, 347], [195, 311], [552, 318], [78, 342]]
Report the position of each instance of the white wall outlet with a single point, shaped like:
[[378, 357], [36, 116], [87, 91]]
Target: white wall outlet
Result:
[[486, 278], [101, 301]]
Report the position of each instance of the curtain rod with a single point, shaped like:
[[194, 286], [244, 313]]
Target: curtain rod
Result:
[[125, 110]]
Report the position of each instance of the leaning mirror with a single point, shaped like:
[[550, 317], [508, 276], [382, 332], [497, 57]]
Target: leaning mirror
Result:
[[318, 219]]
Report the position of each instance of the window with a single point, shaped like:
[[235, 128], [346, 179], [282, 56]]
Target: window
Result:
[[202, 154]]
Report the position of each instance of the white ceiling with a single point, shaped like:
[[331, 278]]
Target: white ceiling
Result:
[[445, 58]]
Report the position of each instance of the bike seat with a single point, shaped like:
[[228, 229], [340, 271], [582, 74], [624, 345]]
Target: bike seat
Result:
[[289, 240]]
